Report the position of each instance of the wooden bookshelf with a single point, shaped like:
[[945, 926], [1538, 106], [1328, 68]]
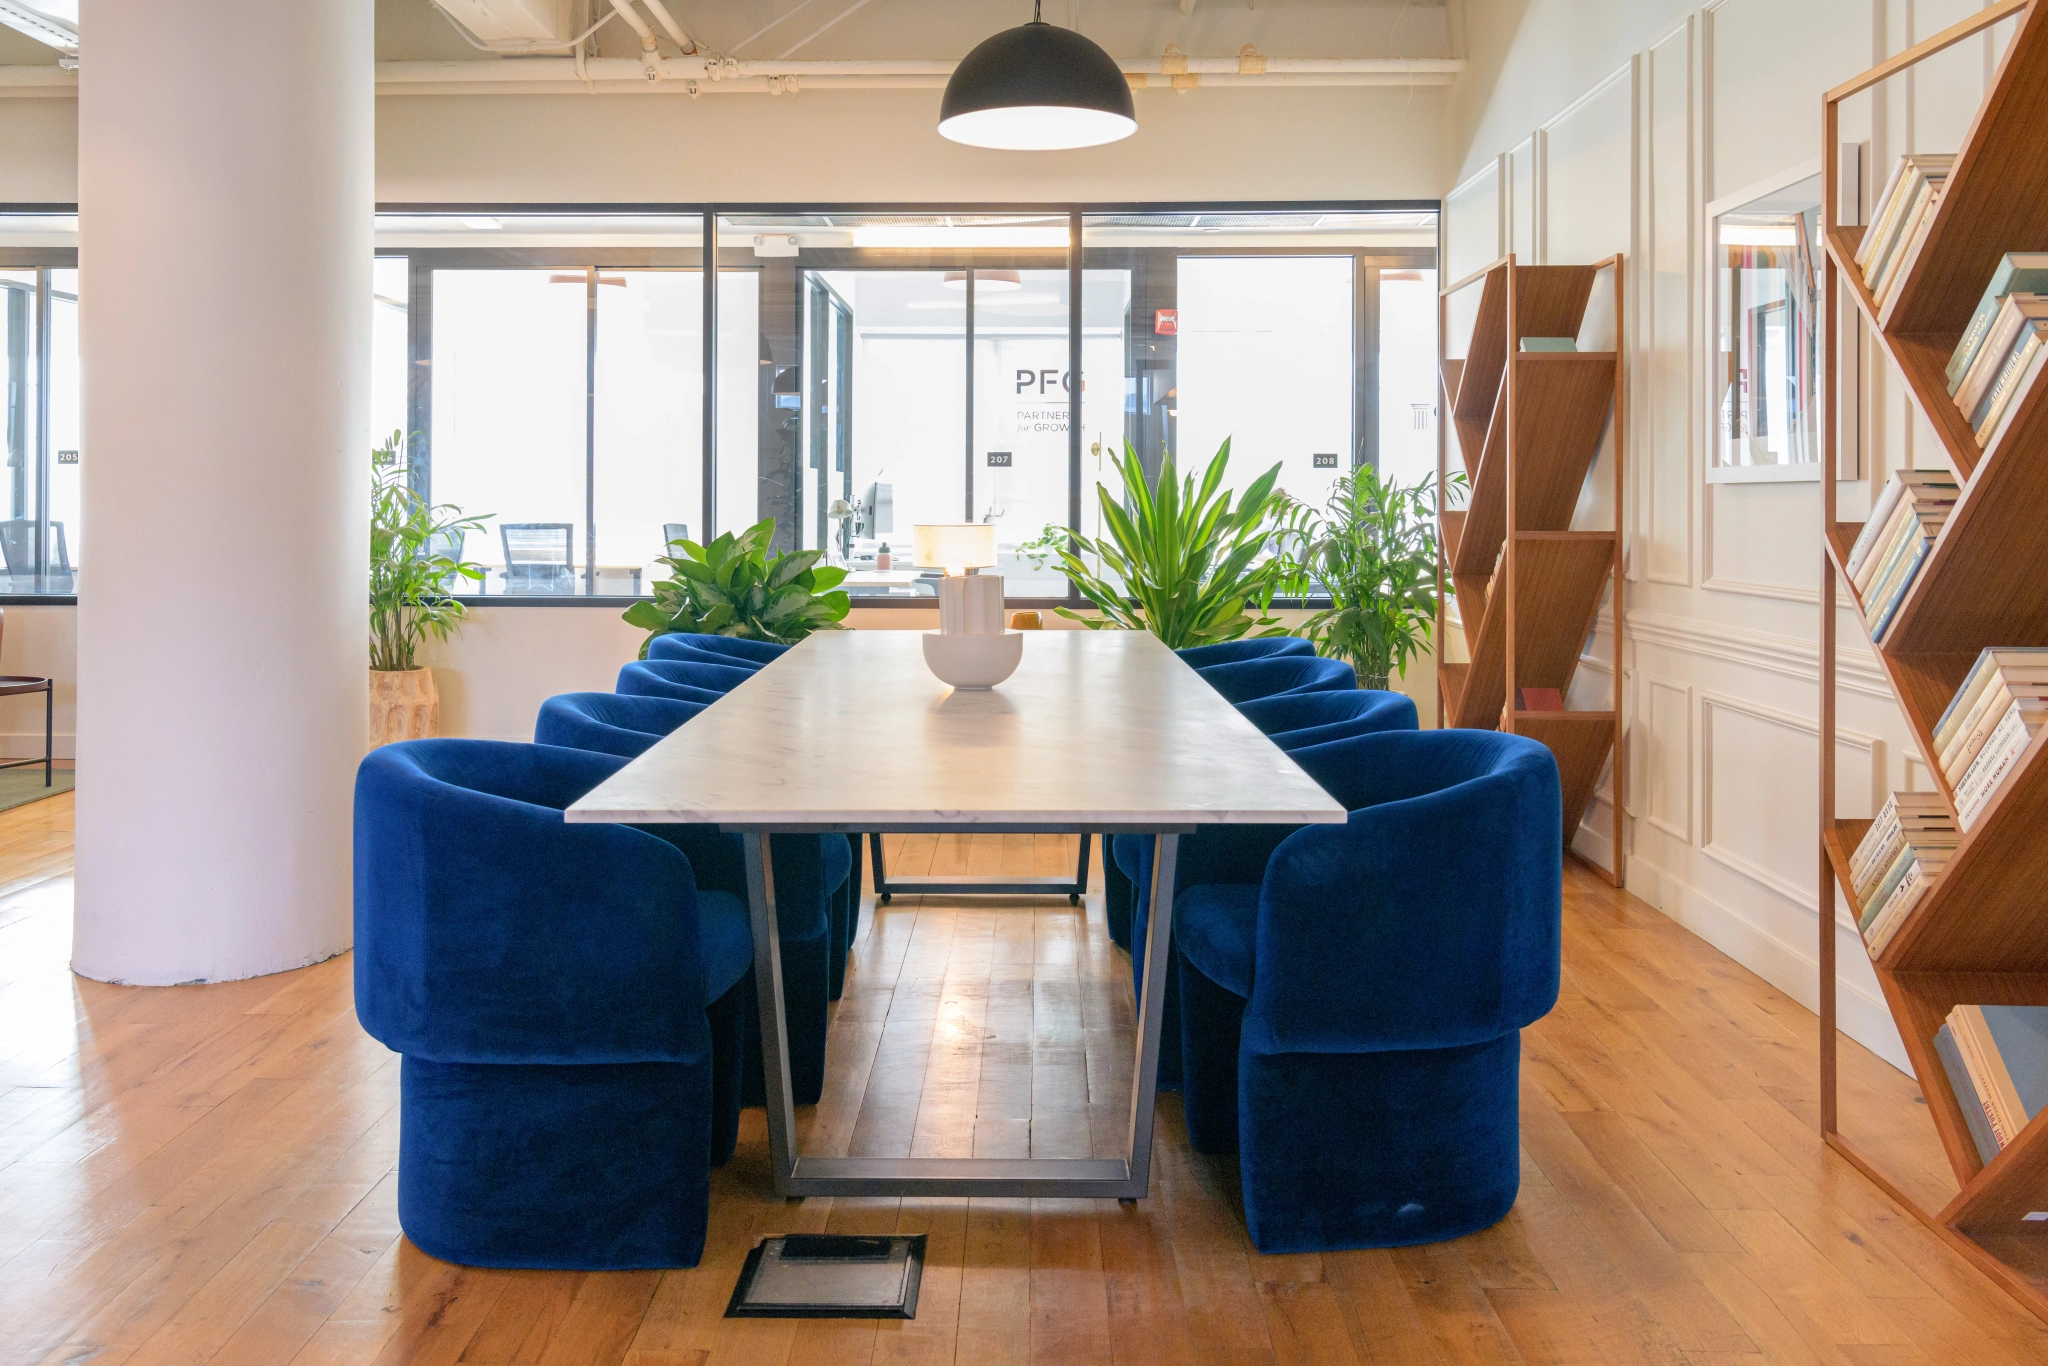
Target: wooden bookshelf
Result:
[[1528, 427], [1980, 934]]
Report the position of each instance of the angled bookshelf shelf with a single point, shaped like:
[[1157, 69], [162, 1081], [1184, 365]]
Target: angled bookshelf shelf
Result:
[[1528, 426], [1979, 935]]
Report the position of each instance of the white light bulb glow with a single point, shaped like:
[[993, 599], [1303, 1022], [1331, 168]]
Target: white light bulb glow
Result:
[[1037, 128]]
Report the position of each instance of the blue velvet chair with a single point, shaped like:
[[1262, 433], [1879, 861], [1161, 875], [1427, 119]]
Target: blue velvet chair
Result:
[[1351, 1002], [664, 678], [731, 649], [609, 722], [1254, 678], [817, 902], [1299, 710], [702, 672], [1374, 711], [567, 1000], [1233, 651]]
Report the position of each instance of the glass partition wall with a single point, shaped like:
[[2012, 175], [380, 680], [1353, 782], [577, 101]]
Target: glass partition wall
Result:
[[39, 531], [868, 370]]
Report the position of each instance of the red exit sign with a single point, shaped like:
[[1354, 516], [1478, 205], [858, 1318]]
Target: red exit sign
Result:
[[1166, 321]]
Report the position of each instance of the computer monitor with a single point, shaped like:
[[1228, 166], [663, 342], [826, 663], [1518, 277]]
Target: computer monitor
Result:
[[878, 511]]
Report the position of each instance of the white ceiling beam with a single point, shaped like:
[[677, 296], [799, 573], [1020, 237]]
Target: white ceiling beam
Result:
[[53, 30]]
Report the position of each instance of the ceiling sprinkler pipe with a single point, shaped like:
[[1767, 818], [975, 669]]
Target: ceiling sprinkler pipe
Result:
[[625, 10], [683, 41]]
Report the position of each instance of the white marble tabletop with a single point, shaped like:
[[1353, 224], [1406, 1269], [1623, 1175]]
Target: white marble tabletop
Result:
[[1101, 729]]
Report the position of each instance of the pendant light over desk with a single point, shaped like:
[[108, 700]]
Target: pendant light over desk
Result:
[[1037, 88]]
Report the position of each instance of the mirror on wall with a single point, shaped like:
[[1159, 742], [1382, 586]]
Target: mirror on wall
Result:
[[1767, 310]]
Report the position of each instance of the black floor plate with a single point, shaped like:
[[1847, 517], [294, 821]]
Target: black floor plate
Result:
[[829, 1276]]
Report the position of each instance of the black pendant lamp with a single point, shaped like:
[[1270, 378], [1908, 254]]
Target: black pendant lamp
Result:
[[1037, 88]]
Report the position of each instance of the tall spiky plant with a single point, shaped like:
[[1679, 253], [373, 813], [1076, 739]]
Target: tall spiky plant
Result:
[[1181, 560]]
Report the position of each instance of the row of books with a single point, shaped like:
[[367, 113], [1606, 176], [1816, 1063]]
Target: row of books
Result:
[[1996, 1058], [1903, 523], [1900, 218], [2004, 347], [1989, 723], [1901, 857]]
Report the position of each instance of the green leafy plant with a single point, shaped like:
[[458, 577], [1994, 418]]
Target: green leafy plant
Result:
[[1045, 547], [734, 587], [410, 575], [1182, 561], [1373, 549]]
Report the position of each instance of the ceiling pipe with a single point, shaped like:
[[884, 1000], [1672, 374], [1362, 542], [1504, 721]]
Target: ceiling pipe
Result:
[[682, 40], [710, 75], [650, 60]]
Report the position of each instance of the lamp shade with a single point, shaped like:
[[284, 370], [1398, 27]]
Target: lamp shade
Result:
[[1037, 87], [954, 546]]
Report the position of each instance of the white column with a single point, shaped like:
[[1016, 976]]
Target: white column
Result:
[[225, 186]]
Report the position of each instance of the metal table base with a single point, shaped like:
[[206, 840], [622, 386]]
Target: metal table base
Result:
[[1073, 888], [1123, 1178]]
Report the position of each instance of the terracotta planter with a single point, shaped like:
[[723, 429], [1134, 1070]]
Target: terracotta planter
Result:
[[403, 706]]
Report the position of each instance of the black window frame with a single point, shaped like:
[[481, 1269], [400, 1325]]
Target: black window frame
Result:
[[37, 442]]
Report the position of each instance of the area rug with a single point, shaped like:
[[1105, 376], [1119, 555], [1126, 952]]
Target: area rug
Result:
[[20, 786]]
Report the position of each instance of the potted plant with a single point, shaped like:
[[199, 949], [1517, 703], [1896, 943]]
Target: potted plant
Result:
[[411, 571], [1178, 559], [734, 587], [1372, 549]]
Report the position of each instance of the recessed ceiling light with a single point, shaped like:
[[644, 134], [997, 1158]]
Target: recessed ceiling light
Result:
[[994, 280], [482, 224]]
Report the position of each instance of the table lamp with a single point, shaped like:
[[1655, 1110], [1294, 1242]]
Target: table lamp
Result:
[[970, 649]]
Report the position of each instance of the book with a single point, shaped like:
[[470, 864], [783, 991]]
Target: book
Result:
[[1539, 699], [2010, 1045], [2026, 663], [1891, 271], [2006, 333], [1884, 868], [2002, 750], [1895, 593], [1994, 425], [1963, 747], [1921, 875], [1895, 217], [2002, 388], [1937, 482], [2018, 272], [1975, 1117], [1882, 210], [1550, 344], [1874, 851]]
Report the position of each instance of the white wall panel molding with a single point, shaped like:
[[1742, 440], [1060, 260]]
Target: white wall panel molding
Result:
[[1668, 467], [1668, 727], [1788, 656], [1741, 724]]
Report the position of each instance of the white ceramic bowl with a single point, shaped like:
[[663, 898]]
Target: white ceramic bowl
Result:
[[973, 662]]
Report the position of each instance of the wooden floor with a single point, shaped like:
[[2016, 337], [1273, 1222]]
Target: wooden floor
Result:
[[204, 1174]]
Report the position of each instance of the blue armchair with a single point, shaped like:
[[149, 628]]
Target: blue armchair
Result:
[[1255, 678], [701, 671], [664, 678], [609, 722], [1232, 651], [817, 901], [1291, 721], [568, 1003], [726, 649], [1351, 1004]]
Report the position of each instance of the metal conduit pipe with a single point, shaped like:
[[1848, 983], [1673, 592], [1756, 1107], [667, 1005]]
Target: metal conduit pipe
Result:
[[704, 74]]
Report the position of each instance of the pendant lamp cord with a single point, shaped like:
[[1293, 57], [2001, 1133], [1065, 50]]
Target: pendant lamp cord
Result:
[[1034, 11]]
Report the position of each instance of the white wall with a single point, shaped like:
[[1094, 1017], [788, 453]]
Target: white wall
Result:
[[1592, 126]]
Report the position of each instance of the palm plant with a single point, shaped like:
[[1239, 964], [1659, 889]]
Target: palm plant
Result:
[[733, 587], [409, 576], [1373, 550], [1181, 561]]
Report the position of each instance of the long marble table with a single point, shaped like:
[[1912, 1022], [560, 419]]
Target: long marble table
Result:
[[1105, 731]]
